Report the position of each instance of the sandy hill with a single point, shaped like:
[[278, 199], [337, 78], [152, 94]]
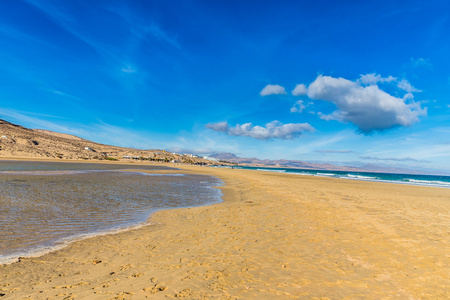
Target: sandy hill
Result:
[[18, 141], [21, 142], [63, 135]]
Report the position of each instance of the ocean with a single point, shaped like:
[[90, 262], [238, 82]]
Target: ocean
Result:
[[412, 179], [46, 205]]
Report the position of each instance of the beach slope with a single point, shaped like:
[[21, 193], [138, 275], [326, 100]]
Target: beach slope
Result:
[[273, 236]]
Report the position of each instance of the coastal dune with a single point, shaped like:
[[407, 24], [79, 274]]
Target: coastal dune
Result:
[[273, 236]]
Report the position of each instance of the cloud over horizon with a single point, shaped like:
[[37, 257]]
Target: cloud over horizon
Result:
[[403, 159], [272, 130], [196, 151], [334, 151], [368, 107], [272, 89]]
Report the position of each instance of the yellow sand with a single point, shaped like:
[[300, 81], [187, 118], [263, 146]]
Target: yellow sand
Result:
[[275, 236]]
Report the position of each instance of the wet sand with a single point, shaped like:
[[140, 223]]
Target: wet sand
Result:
[[274, 236]]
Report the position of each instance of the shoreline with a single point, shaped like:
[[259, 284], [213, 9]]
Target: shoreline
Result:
[[350, 175], [273, 235], [434, 184], [138, 222]]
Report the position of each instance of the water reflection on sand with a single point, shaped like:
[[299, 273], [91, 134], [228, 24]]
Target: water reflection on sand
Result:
[[42, 208]]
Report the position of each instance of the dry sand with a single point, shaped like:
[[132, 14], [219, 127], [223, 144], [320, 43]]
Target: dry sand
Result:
[[274, 236]]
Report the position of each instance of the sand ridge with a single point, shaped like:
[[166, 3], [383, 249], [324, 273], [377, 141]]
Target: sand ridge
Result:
[[274, 236]]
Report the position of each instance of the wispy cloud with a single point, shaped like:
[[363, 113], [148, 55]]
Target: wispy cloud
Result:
[[298, 107], [117, 54], [99, 132], [334, 151], [421, 62], [70, 25], [272, 130], [27, 119], [196, 151], [402, 159], [203, 141], [156, 31], [128, 69], [140, 28], [272, 89], [326, 141], [63, 94], [117, 135], [406, 86], [375, 78], [20, 35]]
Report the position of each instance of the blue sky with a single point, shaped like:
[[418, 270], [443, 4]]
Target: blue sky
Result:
[[344, 82]]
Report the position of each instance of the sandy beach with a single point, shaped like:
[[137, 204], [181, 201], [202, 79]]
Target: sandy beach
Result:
[[274, 236]]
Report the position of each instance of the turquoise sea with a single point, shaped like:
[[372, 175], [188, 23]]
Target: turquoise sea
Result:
[[44, 205], [412, 179]]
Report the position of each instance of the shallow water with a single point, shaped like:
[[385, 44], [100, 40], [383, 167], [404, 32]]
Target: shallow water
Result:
[[19, 165], [46, 207]]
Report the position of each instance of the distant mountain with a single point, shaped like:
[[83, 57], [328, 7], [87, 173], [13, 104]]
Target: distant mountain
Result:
[[312, 166], [384, 169], [224, 156], [279, 163]]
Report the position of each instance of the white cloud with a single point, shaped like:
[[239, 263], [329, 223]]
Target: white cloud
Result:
[[272, 89], [272, 130], [300, 89], [406, 86], [298, 107], [373, 78], [368, 107], [221, 126]]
